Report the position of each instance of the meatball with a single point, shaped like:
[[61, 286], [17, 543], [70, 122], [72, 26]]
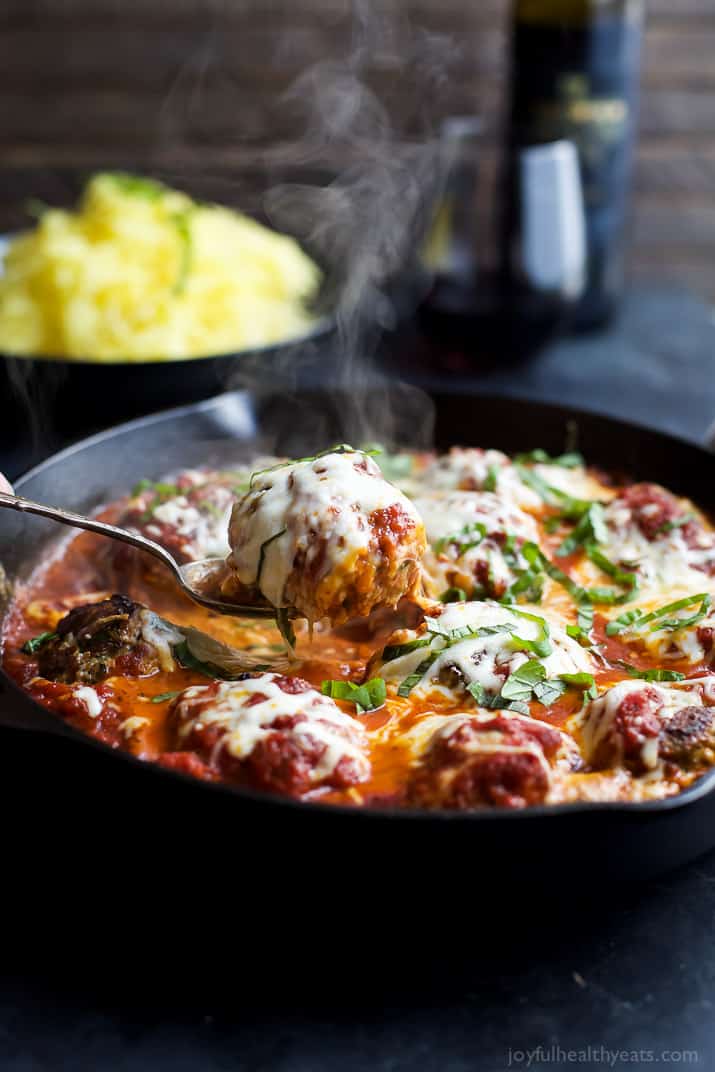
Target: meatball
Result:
[[115, 636], [188, 514], [271, 732], [498, 760], [328, 538], [657, 534], [637, 724], [473, 647], [475, 469], [474, 540]]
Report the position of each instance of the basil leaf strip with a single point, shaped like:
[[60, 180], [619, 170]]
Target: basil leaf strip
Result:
[[164, 696], [590, 528], [451, 637], [262, 554], [635, 619], [341, 448], [652, 675], [461, 539], [367, 697], [490, 482], [396, 651], [583, 681], [453, 595], [35, 643], [570, 460], [541, 646]]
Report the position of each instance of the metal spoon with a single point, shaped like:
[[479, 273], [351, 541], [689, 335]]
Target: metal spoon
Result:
[[187, 576]]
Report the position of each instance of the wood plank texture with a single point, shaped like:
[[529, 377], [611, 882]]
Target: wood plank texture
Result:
[[215, 94]]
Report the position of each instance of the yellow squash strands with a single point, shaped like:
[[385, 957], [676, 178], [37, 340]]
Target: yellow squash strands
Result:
[[141, 273]]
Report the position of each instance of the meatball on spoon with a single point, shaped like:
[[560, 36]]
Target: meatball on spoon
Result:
[[322, 537], [192, 578]]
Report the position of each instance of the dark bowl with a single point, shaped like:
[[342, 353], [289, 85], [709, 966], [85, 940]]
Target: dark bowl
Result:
[[52, 401]]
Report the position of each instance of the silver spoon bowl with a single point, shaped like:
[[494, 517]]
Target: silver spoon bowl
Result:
[[188, 577]]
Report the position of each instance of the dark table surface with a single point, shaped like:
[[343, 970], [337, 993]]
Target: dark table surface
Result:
[[596, 979]]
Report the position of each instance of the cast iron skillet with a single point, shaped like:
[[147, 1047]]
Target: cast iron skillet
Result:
[[258, 847]]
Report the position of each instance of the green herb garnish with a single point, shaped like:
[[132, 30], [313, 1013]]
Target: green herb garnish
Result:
[[182, 222], [541, 646], [570, 460], [634, 620], [591, 528], [652, 675], [341, 448], [453, 595], [137, 186], [35, 643], [164, 696], [490, 481], [581, 681], [461, 540], [367, 697]]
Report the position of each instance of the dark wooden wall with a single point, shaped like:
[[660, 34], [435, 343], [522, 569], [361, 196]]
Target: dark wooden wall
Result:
[[204, 92]]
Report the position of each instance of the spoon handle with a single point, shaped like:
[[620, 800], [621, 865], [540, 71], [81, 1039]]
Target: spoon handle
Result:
[[91, 524]]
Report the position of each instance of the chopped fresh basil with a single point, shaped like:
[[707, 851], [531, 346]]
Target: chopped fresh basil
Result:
[[676, 523], [340, 448], [461, 540], [490, 482], [570, 509], [535, 556], [491, 701], [164, 696], [453, 595], [581, 681], [570, 460], [35, 643], [367, 697], [182, 223], [137, 186], [541, 646], [520, 684], [634, 620], [590, 528], [652, 675], [394, 467], [262, 555], [406, 686], [529, 584], [396, 651]]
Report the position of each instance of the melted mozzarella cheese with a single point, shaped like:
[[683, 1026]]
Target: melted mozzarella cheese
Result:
[[485, 660], [597, 721], [90, 699], [248, 722], [576, 482], [470, 468], [287, 509], [666, 566], [162, 636], [448, 514]]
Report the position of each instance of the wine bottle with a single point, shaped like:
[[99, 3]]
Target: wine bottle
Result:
[[574, 77]]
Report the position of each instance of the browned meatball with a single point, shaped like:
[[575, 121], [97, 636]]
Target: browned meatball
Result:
[[115, 636]]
